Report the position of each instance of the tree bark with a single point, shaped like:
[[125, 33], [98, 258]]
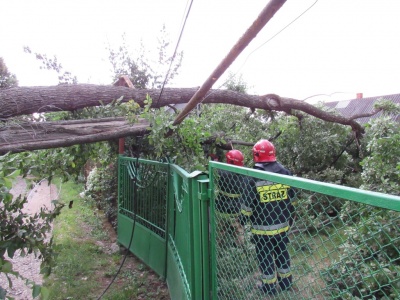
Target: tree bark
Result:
[[45, 135], [42, 135], [27, 100]]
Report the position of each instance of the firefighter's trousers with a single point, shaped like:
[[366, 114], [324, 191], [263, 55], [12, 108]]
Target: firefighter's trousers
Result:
[[274, 261]]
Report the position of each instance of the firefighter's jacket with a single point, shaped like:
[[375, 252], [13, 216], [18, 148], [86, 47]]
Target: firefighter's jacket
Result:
[[268, 204], [228, 193]]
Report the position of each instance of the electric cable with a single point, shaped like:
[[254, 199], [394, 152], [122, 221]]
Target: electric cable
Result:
[[131, 238], [276, 34], [267, 41], [36, 184], [263, 44], [176, 49], [328, 95], [40, 182]]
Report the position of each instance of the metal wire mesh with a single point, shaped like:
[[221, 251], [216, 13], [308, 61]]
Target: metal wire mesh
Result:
[[151, 194], [296, 243], [324, 241]]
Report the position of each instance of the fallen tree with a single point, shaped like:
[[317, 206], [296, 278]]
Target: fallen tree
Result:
[[19, 101], [27, 100], [30, 136]]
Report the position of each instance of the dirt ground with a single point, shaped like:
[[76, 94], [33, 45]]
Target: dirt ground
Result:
[[28, 266]]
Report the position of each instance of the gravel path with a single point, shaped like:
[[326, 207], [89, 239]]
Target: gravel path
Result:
[[28, 266]]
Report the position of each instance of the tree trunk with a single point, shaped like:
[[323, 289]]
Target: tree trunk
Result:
[[42, 135], [27, 100], [45, 135]]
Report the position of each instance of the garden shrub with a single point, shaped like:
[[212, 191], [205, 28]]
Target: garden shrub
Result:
[[101, 188], [369, 261]]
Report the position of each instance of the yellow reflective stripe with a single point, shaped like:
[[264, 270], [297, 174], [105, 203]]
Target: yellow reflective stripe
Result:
[[270, 232], [269, 281], [246, 212], [228, 194], [268, 186], [270, 227], [285, 275]]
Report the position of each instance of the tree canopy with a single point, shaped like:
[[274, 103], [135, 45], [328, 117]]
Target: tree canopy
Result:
[[7, 79]]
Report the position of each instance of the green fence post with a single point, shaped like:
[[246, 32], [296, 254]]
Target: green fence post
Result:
[[203, 196], [197, 288], [167, 221], [212, 270]]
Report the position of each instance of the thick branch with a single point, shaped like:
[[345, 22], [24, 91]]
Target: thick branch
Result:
[[27, 100], [34, 136], [359, 116], [228, 142], [276, 103]]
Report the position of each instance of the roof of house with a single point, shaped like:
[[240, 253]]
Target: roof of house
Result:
[[357, 106]]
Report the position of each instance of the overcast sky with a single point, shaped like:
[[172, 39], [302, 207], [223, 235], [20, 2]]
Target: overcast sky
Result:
[[338, 46]]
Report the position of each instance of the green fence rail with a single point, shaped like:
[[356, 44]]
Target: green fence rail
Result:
[[343, 243]]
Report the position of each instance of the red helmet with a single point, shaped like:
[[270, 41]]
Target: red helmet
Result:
[[235, 157], [264, 151]]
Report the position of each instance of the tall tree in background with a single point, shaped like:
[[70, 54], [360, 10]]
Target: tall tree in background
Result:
[[143, 70], [7, 79], [52, 64]]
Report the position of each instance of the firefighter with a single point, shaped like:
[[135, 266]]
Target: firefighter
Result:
[[269, 208], [227, 203]]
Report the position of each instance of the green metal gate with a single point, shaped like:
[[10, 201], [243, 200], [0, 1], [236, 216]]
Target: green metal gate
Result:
[[163, 205], [143, 190]]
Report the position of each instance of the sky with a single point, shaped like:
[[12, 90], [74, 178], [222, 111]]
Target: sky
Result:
[[336, 48]]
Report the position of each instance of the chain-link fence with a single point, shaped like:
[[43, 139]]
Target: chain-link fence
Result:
[[261, 235], [281, 237]]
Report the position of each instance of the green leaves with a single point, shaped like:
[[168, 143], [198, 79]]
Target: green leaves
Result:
[[381, 168], [20, 231], [5, 266], [38, 290], [372, 246], [7, 79], [143, 69]]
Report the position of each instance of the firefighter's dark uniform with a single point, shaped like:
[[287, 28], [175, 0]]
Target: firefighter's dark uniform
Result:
[[229, 187], [269, 207], [228, 206]]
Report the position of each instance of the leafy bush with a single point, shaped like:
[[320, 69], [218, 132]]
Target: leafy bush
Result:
[[101, 187], [23, 232], [369, 262], [381, 168]]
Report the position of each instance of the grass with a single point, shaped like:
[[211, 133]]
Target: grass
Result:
[[311, 253], [85, 266]]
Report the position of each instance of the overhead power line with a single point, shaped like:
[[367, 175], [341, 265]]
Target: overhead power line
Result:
[[176, 49], [267, 41], [265, 16]]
